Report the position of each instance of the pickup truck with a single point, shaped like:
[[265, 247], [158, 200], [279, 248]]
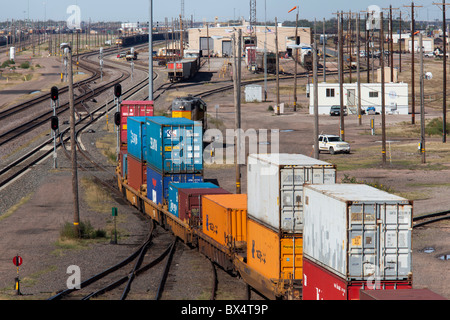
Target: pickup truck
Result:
[[333, 144]]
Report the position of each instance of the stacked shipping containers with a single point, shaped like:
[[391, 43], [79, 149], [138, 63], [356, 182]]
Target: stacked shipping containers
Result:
[[355, 237], [174, 192], [275, 210], [174, 154], [137, 150], [130, 109], [190, 204]]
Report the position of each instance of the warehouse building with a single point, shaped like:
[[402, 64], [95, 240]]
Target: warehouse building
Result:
[[220, 38]]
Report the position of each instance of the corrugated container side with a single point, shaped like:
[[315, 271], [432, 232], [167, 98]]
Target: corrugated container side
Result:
[[176, 145], [225, 218], [137, 173], [272, 255], [158, 184], [190, 203], [137, 138], [411, 294], [357, 231], [174, 188], [275, 187], [321, 284], [133, 109]]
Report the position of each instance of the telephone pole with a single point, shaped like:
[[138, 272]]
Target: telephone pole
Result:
[[316, 100], [444, 74], [358, 44], [383, 103], [413, 92], [422, 106], [278, 67], [341, 72], [237, 104]]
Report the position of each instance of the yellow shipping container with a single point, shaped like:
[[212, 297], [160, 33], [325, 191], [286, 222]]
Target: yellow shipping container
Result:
[[224, 218], [272, 255]]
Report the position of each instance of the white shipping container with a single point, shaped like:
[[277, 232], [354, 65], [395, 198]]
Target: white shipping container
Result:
[[358, 232], [275, 187]]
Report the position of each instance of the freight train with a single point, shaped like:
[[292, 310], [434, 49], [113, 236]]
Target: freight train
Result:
[[126, 41], [271, 62], [183, 69], [268, 236]]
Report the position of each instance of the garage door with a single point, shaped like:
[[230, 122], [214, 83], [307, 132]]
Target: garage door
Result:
[[226, 49]]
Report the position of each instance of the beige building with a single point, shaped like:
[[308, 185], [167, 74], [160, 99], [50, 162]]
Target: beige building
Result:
[[220, 38]]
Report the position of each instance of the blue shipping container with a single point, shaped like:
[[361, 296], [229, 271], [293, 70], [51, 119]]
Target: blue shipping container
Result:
[[173, 192], [175, 145], [158, 184], [137, 137]]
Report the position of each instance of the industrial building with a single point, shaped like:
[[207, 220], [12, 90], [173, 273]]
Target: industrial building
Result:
[[396, 97], [220, 38]]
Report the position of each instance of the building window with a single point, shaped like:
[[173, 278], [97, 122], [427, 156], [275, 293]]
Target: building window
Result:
[[330, 93], [373, 94]]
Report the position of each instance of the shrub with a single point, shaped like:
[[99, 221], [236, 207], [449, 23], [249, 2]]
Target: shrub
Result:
[[436, 127], [25, 65], [86, 231]]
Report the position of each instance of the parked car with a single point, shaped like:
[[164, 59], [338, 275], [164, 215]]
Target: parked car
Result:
[[333, 144], [336, 111], [428, 54], [370, 110]]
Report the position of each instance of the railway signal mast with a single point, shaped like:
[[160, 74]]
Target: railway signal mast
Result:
[[54, 121]]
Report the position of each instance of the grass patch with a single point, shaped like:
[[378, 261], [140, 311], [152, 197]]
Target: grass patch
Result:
[[107, 146], [96, 197]]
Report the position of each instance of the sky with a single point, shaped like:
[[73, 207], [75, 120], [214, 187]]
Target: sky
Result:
[[138, 10]]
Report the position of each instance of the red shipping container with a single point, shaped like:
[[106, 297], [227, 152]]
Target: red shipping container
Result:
[[321, 284], [412, 294], [189, 204], [137, 173], [133, 109]]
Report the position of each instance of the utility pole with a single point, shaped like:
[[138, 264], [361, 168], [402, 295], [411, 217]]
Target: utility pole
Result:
[[422, 106], [383, 102], [358, 44], [341, 74], [323, 53], [367, 48], [391, 42], [400, 44], [316, 99], [413, 92], [237, 104], [73, 144], [181, 37], [444, 74], [278, 67], [150, 52], [296, 62]]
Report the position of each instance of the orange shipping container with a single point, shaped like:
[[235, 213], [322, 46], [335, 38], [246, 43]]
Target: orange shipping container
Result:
[[272, 255], [225, 218]]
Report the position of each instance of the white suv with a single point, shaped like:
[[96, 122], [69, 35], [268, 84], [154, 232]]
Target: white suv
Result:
[[333, 144]]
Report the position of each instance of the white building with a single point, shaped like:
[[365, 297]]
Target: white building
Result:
[[396, 97]]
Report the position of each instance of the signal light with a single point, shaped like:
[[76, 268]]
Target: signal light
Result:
[[54, 123], [117, 118], [54, 93], [117, 90]]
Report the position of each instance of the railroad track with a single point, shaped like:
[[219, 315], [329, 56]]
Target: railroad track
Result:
[[427, 219], [44, 149]]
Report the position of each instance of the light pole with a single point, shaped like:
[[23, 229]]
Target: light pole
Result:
[[150, 52], [73, 144]]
